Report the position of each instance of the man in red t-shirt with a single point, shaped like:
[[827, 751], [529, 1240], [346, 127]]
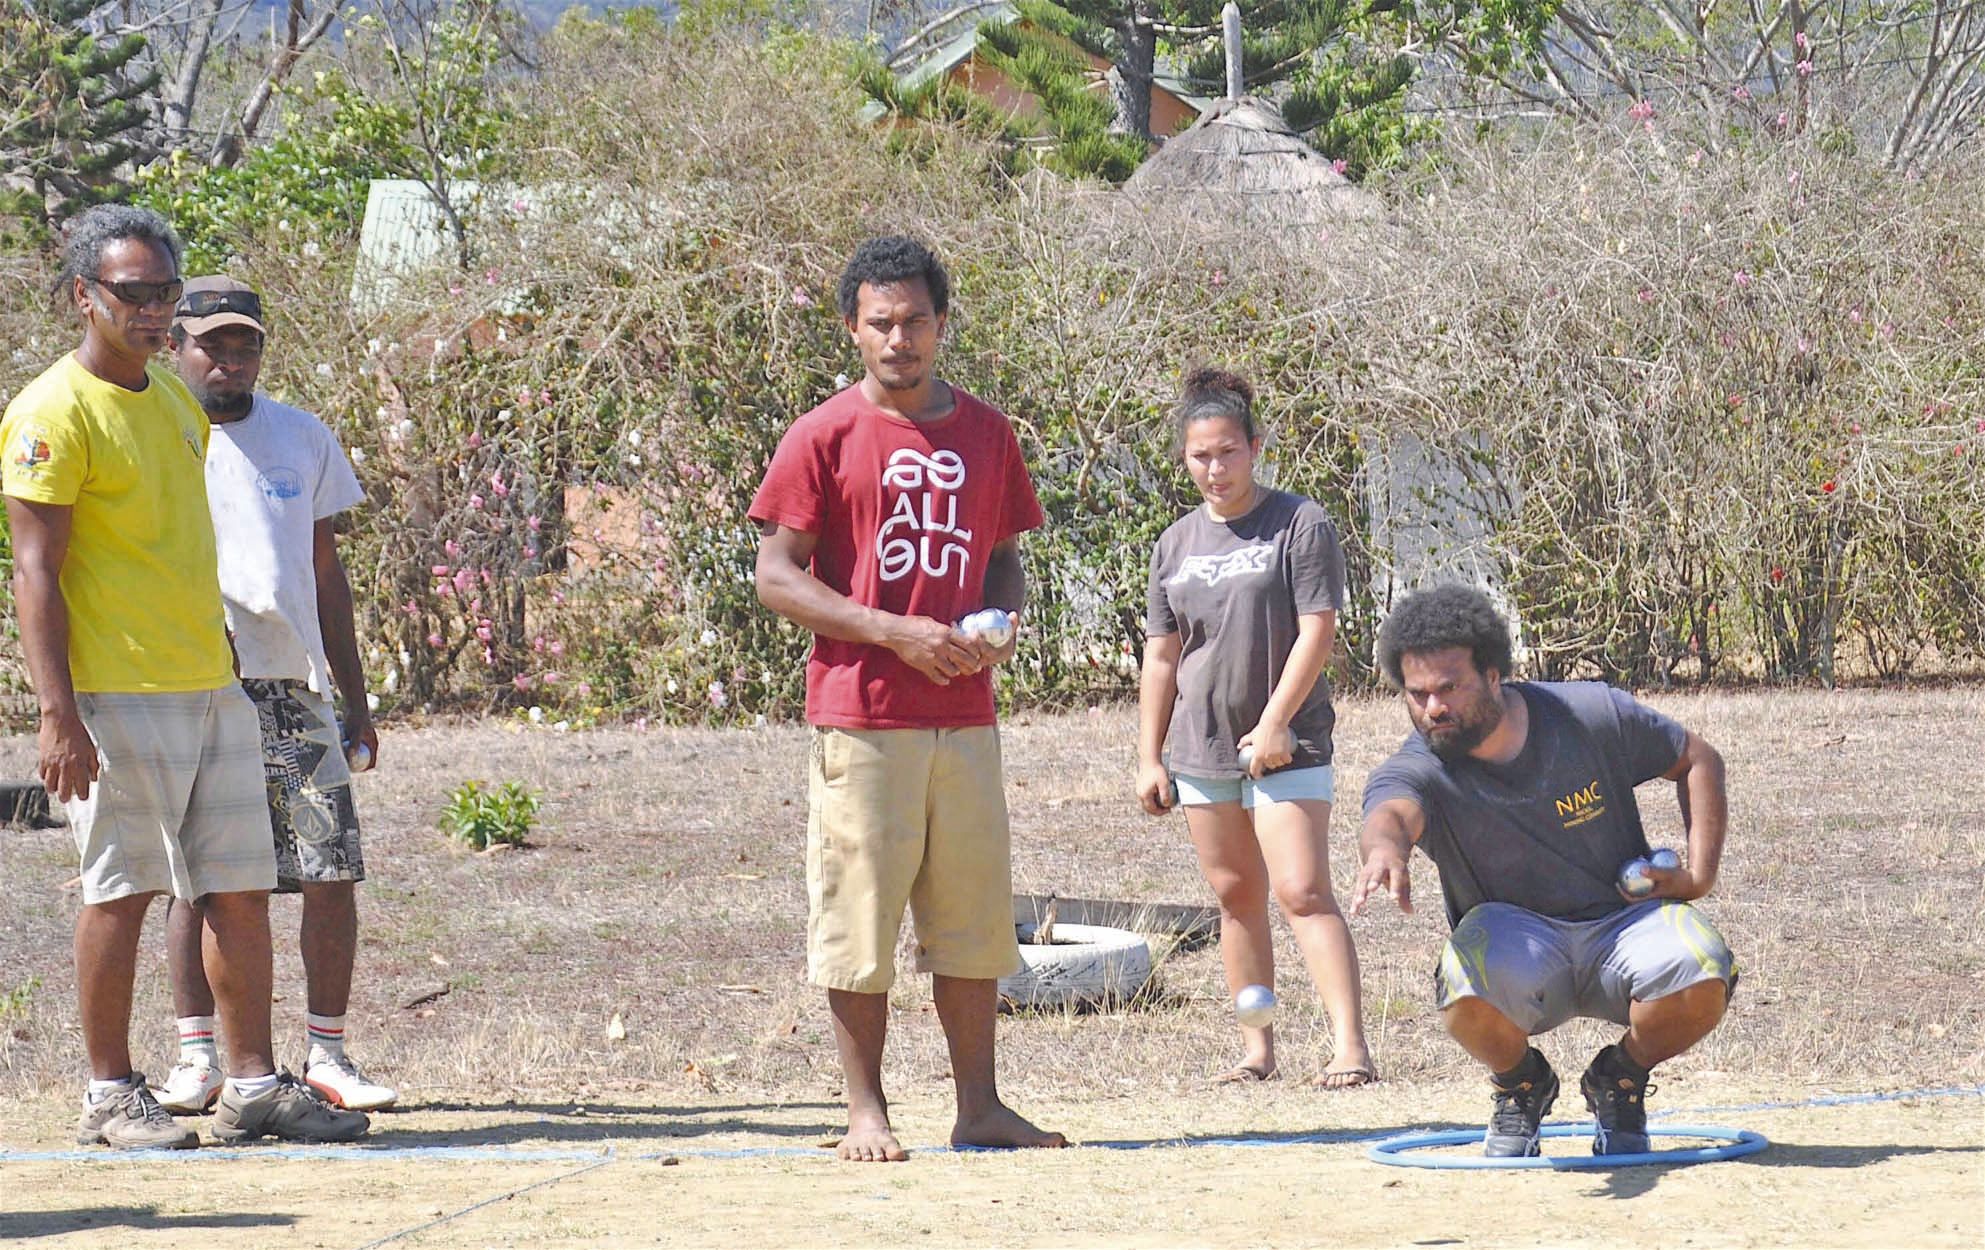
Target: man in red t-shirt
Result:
[[888, 512]]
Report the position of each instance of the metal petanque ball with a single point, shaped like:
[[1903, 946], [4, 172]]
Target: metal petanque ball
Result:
[[1254, 1006], [1634, 880], [1246, 758], [994, 625], [1664, 858], [359, 756]]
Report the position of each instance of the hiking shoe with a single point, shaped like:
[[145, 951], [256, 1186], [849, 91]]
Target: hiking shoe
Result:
[[340, 1083], [1618, 1101], [189, 1089], [131, 1119], [291, 1111], [1520, 1111]]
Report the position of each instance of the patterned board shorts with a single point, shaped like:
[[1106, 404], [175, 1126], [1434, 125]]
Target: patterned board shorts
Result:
[[310, 793]]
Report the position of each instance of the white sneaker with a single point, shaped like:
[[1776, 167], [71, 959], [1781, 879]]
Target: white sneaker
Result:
[[189, 1089], [342, 1085]]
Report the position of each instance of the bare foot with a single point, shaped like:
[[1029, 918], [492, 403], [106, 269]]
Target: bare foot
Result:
[[1002, 1126], [869, 1140]]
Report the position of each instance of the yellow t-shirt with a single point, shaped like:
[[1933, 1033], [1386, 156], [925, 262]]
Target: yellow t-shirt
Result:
[[139, 579]]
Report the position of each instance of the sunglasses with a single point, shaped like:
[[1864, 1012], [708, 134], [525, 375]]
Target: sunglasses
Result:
[[142, 294], [207, 303]]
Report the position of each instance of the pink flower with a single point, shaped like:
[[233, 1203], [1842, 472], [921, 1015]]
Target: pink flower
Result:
[[1804, 345], [488, 654], [522, 681], [439, 570], [556, 647], [584, 690], [1784, 120], [410, 608], [475, 501], [557, 598], [1854, 427], [718, 698], [464, 582], [1641, 111], [475, 439], [1805, 68], [534, 522], [1801, 42], [553, 678], [537, 643], [801, 298], [435, 641], [1741, 92], [1644, 295], [452, 547], [497, 485], [484, 573], [1219, 277], [484, 631], [1792, 179], [491, 275], [1742, 279], [1854, 314], [1339, 165]]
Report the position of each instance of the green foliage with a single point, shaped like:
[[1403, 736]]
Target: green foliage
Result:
[[428, 111], [479, 817], [72, 112], [14, 1003]]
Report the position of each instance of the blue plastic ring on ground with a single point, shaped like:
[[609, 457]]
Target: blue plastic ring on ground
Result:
[[1737, 1143]]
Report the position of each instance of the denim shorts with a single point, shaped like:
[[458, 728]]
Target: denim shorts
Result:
[[1286, 786]]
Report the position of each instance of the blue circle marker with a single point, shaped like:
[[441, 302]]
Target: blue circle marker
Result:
[[1737, 1142]]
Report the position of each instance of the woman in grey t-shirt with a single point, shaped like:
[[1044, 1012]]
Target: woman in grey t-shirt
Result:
[[1244, 596]]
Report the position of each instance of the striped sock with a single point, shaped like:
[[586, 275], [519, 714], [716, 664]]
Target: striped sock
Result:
[[196, 1042], [327, 1037]]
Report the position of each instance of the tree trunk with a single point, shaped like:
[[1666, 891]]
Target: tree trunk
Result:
[[1130, 77]]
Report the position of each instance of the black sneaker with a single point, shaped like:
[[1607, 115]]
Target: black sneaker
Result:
[[1520, 1110], [1618, 1100]]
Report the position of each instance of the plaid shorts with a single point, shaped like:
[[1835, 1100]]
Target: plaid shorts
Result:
[[310, 793]]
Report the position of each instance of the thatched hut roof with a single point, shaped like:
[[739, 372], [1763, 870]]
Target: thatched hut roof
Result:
[[1240, 161]]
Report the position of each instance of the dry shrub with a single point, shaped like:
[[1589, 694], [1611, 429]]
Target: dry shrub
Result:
[[1715, 409]]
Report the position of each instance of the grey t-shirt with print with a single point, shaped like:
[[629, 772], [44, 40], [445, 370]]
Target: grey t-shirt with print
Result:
[[1549, 830], [1232, 591]]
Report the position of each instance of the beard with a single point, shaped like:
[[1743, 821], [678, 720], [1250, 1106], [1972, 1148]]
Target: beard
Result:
[[1452, 740], [229, 406]]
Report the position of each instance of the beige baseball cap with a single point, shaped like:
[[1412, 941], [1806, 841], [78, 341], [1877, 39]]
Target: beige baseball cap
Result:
[[209, 303]]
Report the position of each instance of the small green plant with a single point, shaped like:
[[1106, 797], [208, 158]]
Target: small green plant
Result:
[[14, 1002], [480, 817]]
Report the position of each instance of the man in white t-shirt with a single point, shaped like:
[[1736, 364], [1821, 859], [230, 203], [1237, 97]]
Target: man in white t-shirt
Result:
[[276, 481]]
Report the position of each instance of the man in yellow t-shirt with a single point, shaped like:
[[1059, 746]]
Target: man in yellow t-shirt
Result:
[[146, 737]]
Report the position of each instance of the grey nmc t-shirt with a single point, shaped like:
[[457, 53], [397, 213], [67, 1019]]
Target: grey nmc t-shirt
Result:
[[1232, 591], [1549, 830]]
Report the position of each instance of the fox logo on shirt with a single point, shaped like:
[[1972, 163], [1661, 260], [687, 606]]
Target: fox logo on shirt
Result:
[[922, 530], [1216, 569]]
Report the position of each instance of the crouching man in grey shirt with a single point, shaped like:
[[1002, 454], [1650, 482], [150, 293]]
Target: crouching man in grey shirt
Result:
[[1522, 794]]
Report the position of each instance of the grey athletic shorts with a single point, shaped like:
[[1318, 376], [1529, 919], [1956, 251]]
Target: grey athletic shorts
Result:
[[177, 805], [311, 811], [1541, 972]]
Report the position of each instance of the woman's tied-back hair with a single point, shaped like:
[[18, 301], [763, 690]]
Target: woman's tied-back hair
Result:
[[1210, 394], [97, 228], [1443, 617], [886, 261]]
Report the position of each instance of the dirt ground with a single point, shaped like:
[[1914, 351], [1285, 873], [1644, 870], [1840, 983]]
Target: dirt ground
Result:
[[1901, 1173], [664, 891]]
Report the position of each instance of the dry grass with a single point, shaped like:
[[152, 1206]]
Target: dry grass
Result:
[[666, 887]]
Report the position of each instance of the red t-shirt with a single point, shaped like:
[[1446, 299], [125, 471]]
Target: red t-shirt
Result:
[[906, 516]]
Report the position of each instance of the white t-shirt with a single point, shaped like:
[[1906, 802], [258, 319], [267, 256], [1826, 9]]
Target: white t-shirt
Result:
[[271, 476]]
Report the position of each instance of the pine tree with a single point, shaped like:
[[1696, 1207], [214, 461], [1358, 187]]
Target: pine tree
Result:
[[1331, 65], [73, 111]]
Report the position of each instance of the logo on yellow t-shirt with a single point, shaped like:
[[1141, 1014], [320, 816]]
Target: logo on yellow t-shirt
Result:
[[193, 445], [32, 453]]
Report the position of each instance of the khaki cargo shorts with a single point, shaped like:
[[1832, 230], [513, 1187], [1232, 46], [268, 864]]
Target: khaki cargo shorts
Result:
[[907, 816], [178, 806]]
